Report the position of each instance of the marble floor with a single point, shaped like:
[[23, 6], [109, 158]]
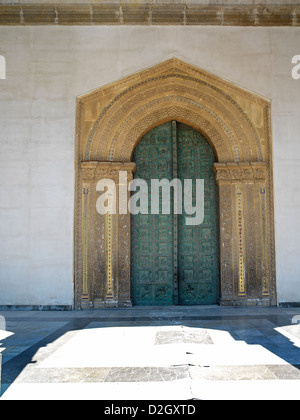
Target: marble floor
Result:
[[169, 353]]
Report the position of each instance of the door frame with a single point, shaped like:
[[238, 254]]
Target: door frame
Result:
[[111, 121]]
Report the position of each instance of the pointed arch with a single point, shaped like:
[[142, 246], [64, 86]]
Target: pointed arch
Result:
[[231, 117]]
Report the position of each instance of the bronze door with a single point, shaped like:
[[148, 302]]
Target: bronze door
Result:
[[172, 262]]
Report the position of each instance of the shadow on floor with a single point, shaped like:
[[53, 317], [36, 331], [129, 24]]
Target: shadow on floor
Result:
[[254, 328]]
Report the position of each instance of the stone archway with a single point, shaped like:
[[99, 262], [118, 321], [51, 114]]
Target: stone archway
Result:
[[110, 123]]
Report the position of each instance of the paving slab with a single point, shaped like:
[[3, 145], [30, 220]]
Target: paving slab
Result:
[[170, 353]]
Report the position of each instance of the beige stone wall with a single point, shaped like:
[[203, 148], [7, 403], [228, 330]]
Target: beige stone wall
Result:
[[48, 67]]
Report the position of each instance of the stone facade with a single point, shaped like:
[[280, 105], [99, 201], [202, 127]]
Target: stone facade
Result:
[[38, 116]]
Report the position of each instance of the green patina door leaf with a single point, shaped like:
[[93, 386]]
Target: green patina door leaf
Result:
[[198, 245], [152, 236]]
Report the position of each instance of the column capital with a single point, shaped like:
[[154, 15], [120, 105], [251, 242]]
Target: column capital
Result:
[[246, 171], [94, 170]]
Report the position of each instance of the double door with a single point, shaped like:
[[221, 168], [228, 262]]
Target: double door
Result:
[[173, 262]]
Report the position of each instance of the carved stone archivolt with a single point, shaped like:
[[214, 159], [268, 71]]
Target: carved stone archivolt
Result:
[[110, 123]]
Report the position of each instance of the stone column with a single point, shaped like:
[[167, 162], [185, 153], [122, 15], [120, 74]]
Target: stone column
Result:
[[105, 238], [85, 272], [244, 233]]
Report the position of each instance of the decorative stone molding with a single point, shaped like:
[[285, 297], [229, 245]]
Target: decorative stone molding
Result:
[[245, 232], [237, 123], [168, 91], [105, 239], [229, 172], [94, 171], [152, 12]]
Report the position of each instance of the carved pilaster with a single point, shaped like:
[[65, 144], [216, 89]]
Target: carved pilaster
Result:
[[85, 293], [85, 284], [124, 261], [106, 239], [245, 271]]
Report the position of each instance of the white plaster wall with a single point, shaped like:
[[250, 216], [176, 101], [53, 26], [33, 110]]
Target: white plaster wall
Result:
[[47, 67]]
